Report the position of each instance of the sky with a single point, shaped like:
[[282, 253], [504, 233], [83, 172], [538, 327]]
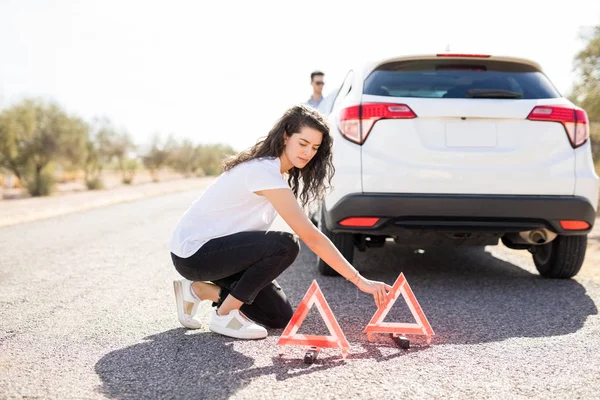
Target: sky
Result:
[[225, 71]]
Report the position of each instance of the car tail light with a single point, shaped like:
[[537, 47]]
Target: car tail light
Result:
[[574, 120], [572, 225], [356, 122], [359, 221]]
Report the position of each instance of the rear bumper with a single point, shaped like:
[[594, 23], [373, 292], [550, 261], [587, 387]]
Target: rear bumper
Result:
[[462, 213]]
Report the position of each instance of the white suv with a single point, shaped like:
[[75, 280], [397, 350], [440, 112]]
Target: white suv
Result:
[[463, 149]]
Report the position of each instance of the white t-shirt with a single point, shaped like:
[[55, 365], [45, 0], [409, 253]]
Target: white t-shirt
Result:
[[229, 205]]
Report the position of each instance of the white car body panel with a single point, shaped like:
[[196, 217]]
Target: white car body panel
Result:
[[494, 150], [460, 146]]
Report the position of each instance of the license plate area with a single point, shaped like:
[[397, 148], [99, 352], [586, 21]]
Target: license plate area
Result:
[[471, 134]]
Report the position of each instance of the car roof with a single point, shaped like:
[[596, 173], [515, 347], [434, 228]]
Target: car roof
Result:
[[369, 66]]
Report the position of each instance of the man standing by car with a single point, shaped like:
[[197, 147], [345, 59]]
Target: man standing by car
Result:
[[316, 80]]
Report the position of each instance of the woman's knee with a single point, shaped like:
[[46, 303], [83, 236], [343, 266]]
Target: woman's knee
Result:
[[288, 242], [277, 306], [283, 317], [183, 269]]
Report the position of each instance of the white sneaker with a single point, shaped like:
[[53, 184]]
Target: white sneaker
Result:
[[236, 325], [187, 304]]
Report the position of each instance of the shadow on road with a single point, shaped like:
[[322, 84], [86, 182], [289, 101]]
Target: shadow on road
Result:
[[201, 365], [183, 364], [173, 364], [468, 295]]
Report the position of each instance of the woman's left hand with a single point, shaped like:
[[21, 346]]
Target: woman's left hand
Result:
[[379, 290]]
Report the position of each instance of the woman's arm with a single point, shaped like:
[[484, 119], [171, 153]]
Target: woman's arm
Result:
[[288, 208]]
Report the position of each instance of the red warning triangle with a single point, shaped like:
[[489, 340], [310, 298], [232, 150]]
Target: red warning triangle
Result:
[[421, 327], [335, 340]]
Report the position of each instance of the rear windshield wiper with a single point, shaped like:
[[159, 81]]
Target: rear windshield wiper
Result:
[[493, 94]]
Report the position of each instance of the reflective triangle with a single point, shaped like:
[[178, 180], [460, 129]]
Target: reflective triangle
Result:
[[337, 339], [421, 327]]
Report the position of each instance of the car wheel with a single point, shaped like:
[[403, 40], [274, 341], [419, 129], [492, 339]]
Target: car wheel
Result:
[[344, 243], [562, 258]]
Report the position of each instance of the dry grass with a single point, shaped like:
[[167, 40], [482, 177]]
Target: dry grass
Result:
[[76, 183], [69, 176]]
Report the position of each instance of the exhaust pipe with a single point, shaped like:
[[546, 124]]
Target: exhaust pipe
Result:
[[537, 236]]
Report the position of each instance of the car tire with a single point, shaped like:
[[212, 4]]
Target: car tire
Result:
[[562, 258], [313, 214], [344, 242], [313, 219]]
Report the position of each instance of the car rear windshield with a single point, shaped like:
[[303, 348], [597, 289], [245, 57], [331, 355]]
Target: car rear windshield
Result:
[[458, 79]]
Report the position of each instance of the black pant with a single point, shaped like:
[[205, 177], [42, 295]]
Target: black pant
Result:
[[246, 264]]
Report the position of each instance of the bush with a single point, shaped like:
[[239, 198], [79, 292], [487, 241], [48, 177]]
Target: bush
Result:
[[94, 183], [42, 184], [128, 171]]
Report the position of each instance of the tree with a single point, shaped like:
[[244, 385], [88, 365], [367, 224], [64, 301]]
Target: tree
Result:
[[33, 135], [104, 145], [128, 169], [586, 92], [92, 166], [184, 159], [189, 159], [100, 151], [158, 155], [122, 148], [211, 157]]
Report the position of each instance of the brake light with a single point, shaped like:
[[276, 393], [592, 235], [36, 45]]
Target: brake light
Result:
[[359, 221], [356, 121], [574, 120], [463, 55], [572, 225]]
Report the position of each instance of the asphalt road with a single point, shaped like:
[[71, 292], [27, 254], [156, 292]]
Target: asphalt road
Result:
[[87, 312]]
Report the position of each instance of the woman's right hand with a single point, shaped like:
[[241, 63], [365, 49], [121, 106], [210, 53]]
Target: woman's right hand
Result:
[[379, 290]]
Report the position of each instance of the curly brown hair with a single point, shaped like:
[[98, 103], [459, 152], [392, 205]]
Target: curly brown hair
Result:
[[309, 183]]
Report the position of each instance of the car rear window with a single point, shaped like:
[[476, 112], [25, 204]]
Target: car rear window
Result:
[[458, 79]]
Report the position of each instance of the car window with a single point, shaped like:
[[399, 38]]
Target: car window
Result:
[[344, 89], [326, 105], [458, 79]]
